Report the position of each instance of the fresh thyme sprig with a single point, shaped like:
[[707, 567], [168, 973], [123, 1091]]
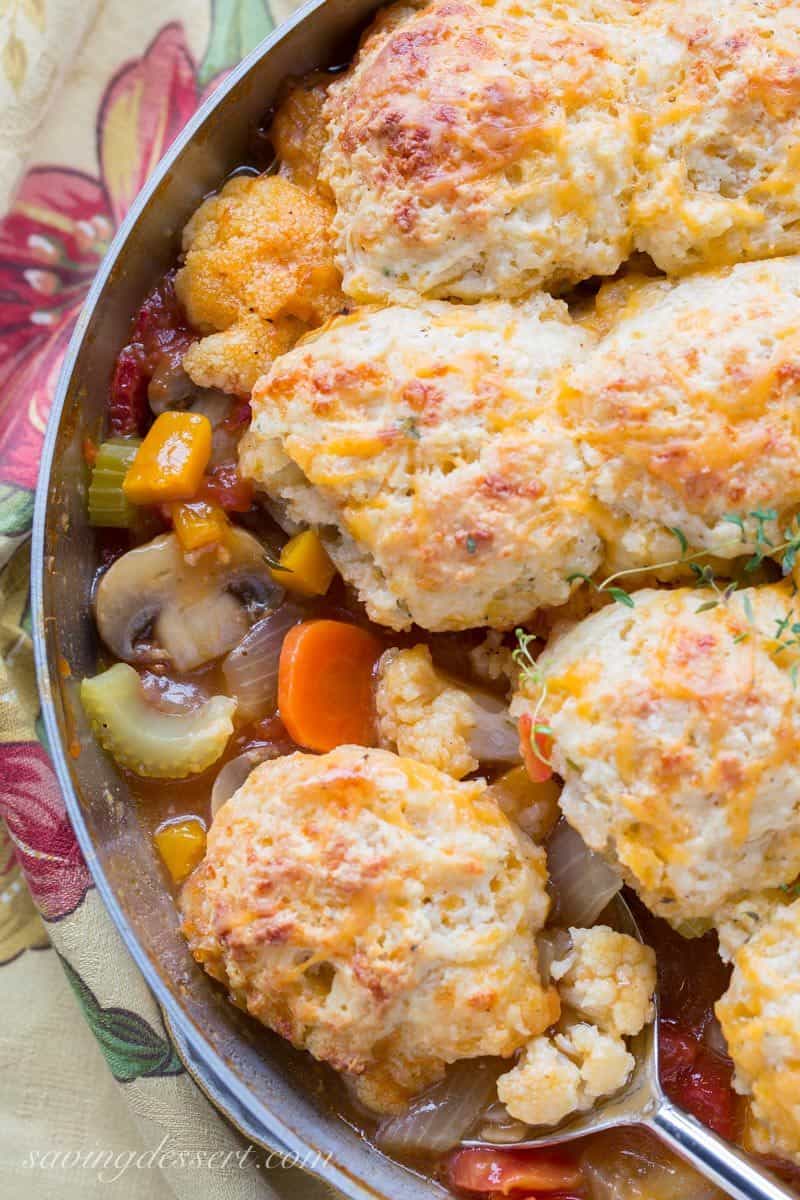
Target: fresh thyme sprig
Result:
[[620, 594], [787, 632], [532, 674], [704, 574]]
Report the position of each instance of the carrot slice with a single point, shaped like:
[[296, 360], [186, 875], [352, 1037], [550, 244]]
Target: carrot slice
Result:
[[325, 684], [535, 749]]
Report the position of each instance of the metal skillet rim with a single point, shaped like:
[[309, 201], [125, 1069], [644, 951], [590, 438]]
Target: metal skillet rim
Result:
[[262, 1125]]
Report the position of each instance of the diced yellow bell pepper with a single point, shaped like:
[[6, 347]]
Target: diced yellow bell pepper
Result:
[[198, 523], [170, 462], [181, 845], [308, 570]]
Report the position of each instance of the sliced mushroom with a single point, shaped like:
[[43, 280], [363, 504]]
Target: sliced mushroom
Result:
[[152, 605]]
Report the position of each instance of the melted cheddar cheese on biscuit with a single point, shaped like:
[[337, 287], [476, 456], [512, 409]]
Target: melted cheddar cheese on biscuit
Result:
[[719, 87], [677, 733], [482, 149], [424, 444], [479, 151], [688, 410], [375, 912]]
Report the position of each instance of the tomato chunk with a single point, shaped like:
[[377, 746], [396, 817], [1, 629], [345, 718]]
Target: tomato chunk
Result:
[[224, 486], [535, 750], [697, 1079], [159, 339], [511, 1172]]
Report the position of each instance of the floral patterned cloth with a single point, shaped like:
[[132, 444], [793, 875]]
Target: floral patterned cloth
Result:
[[91, 94]]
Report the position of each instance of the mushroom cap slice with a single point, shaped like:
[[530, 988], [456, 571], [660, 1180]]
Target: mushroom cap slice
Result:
[[154, 605]]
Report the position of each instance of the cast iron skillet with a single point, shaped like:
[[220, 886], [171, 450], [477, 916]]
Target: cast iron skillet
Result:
[[267, 1089]]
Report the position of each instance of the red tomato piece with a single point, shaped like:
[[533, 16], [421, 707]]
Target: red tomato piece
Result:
[[536, 750], [697, 1079], [511, 1172], [223, 485], [159, 339], [127, 408], [241, 414]]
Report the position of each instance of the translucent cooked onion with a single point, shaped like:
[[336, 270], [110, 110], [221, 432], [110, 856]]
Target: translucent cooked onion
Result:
[[495, 737], [551, 946], [251, 668], [631, 1164], [499, 1128], [235, 772], [581, 881], [714, 1038], [438, 1119]]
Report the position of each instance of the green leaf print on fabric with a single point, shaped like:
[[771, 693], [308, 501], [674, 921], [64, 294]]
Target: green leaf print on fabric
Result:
[[236, 27], [131, 1046], [16, 510]]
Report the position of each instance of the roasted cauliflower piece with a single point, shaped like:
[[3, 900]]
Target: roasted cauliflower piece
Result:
[[424, 715], [375, 912], [606, 982], [299, 129], [760, 1018], [607, 978], [421, 715], [565, 1072], [259, 272]]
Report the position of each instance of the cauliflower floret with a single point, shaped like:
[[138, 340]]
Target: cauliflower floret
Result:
[[607, 978], [564, 1073], [299, 130], [424, 715], [259, 273], [421, 715]]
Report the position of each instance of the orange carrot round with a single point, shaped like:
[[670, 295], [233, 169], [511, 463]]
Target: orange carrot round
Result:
[[536, 749], [325, 684]]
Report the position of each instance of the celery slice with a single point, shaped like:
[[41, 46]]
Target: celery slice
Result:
[[147, 741], [108, 504]]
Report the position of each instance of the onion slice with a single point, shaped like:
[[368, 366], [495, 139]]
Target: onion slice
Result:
[[440, 1118], [251, 668], [552, 945], [581, 881], [495, 737], [236, 772]]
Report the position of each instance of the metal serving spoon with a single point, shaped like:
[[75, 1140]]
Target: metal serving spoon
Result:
[[644, 1103]]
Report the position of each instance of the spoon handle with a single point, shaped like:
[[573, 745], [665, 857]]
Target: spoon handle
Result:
[[718, 1160]]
